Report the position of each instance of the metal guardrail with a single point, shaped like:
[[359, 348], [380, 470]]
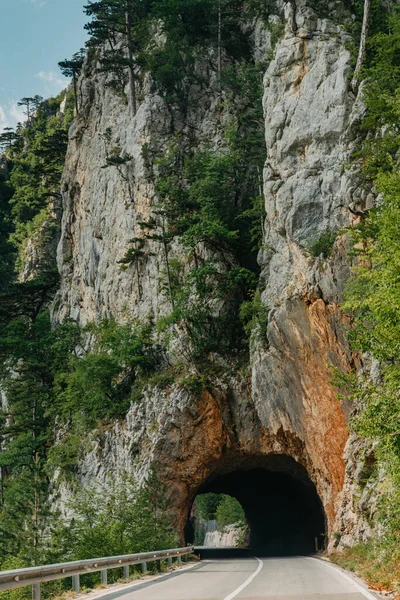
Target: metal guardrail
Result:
[[35, 576]]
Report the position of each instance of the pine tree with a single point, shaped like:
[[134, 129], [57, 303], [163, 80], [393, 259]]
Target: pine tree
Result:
[[31, 105], [133, 255], [72, 68], [6, 227], [24, 436], [30, 356], [112, 25], [7, 138]]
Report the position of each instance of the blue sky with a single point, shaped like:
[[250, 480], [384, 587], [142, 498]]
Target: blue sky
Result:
[[34, 36]]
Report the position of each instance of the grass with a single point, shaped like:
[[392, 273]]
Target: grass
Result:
[[377, 563]]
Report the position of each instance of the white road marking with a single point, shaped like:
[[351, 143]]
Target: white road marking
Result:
[[125, 588], [350, 580], [248, 581]]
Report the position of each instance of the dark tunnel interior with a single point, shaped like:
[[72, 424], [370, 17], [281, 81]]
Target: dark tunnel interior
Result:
[[283, 510]]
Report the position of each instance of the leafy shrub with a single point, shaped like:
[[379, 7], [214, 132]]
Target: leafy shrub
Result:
[[225, 509], [97, 385], [230, 512], [124, 518], [372, 300], [254, 315], [323, 244], [206, 505]]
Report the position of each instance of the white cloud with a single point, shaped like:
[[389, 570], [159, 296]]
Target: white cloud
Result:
[[3, 119], [52, 83], [38, 3], [10, 115], [16, 113], [50, 76]]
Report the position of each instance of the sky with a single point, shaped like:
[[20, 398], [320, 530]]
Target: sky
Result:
[[35, 35]]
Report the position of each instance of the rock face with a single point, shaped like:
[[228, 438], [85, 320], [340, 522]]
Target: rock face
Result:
[[309, 117], [288, 406], [229, 537]]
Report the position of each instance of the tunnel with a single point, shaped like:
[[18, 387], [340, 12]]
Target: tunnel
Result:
[[283, 510]]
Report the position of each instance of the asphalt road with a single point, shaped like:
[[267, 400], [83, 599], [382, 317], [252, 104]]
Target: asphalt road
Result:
[[295, 578]]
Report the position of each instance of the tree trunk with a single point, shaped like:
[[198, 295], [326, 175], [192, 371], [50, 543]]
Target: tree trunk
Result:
[[166, 254], [138, 277], [36, 511], [261, 193], [219, 42], [132, 88], [363, 45], [1, 486], [76, 94], [36, 486]]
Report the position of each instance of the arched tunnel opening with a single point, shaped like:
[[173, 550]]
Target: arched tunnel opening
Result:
[[283, 511]]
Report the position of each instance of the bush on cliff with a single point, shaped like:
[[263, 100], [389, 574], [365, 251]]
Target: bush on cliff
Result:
[[373, 300]]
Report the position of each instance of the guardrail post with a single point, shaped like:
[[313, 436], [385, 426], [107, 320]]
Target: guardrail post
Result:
[[37, 575], [76, 584], [36, 591]]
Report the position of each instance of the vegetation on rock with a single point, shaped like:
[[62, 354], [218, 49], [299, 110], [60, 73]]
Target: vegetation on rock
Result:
[[373, 296], [61, 382], [30, 176]]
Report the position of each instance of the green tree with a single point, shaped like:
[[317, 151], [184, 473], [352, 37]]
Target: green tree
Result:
[[6, 227], [372, 296], [205, 199], [71, 68], [123, 518], [230, 512], [7, 138], [97, 384], [206, 506], [35, 163], [31, 105], [31, 353], [26, 349], [111, 23]]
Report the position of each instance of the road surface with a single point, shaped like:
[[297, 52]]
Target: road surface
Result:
[[295, 578]]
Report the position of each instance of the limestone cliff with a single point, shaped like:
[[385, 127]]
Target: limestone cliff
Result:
[[288, 408]]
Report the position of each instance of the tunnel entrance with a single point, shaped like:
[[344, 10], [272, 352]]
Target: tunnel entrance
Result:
[[284, 513]]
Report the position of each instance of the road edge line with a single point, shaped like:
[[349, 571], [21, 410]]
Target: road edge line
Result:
[[127, 588], [247, 582], [354, 583]]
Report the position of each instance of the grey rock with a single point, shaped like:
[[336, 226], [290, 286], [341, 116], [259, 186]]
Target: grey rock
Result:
[[291, 408]]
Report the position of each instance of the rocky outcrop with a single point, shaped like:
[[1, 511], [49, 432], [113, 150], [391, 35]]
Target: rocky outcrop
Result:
[[40, 249], [310, 117], [228, 537], [103, 206], [289, 407]]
